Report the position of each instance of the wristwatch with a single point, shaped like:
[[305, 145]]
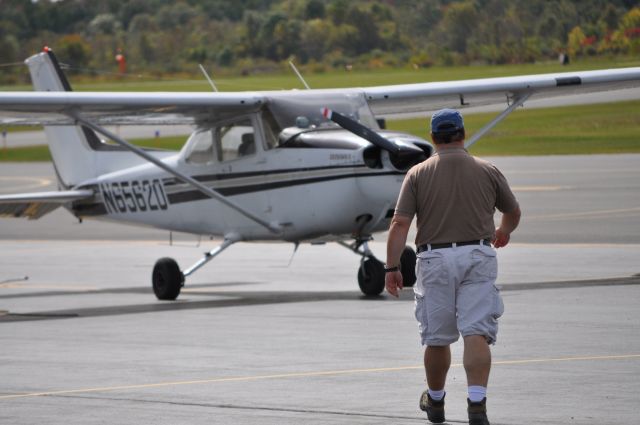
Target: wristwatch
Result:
[[391, 269]]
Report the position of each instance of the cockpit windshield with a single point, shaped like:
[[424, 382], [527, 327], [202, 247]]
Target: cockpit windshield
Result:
[[292, 111]]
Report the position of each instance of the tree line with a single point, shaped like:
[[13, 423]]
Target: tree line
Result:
[[166, 36]]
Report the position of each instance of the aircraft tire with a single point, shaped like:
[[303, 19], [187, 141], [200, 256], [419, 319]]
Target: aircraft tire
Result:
[[408, 266], [167, 279], [371, 277]]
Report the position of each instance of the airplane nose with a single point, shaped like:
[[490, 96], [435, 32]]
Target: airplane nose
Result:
[[406, 157], [403, 160]]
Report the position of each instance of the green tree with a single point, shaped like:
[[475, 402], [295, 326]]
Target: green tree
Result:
[[74, 49], [367, 37], [9, 49], [458, 24], [314, 10], [225, 57], [315, 39], [337, 10], [631, 19], [105, 23], [575, 41]]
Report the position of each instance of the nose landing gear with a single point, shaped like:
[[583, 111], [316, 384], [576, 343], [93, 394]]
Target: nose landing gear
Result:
[[371, 276]]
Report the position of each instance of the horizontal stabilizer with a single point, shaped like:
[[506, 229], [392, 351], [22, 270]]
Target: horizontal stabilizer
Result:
[[35, 205]]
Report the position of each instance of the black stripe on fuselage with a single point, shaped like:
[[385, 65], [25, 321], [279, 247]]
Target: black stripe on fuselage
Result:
[[195, 195], [172, 181], [190, 195]]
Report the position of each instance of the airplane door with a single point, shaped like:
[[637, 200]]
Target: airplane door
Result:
[[241, 160]]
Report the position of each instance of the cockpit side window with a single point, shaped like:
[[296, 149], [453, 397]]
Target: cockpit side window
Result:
[[235, 140], [226, 141], [201, 147]]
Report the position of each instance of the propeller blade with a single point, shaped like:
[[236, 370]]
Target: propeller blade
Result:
[[360, 130]]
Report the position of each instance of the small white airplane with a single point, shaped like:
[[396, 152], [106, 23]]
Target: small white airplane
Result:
[[295, 166]]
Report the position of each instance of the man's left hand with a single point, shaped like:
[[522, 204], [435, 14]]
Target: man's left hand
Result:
[[393, 283]]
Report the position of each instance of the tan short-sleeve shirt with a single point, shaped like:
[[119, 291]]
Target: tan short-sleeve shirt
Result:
[[454, 195]]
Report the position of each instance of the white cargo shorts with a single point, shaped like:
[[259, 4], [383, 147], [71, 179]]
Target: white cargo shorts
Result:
[[455, 294]]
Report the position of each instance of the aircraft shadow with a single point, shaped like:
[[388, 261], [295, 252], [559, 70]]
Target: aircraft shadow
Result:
[[228, 298], [187, 301]]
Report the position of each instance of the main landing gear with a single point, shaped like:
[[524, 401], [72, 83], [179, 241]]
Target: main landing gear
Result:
[[167, 279], [371, 272]]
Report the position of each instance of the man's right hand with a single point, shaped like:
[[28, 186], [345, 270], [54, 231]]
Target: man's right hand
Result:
[[393, 282]]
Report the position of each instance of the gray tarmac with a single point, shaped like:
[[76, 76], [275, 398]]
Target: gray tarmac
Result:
[[256, 337]]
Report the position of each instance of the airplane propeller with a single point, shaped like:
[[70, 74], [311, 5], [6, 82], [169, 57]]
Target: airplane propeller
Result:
[[404, 154]]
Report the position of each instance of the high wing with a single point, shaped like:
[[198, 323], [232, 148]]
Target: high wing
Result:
[[35, 205], [56, 108], [477, 92], [59, 107]]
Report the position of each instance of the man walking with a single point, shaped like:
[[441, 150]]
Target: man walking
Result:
[[454, 196]]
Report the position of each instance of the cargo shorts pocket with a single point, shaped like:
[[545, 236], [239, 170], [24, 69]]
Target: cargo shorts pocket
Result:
[[484, 265], [432, 268], [498, 304], [431, 271]]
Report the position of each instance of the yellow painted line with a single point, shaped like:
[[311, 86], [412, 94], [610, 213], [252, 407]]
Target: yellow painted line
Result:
[[302, 375]]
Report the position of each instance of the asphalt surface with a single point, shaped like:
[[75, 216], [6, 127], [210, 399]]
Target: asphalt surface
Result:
[[256, 337]]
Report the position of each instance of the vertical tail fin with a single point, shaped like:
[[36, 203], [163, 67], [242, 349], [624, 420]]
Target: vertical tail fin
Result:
[[70, 146]]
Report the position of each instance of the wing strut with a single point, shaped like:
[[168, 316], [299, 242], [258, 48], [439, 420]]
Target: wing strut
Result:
[[182, 177], [208, 256], [517, 102]]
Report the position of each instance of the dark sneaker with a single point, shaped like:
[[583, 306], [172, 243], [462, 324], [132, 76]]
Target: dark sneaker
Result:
[[434, 409], [478, 412]]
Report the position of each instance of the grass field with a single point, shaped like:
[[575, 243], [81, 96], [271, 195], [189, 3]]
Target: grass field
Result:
[[41, 152], [338, 79], [585, 129]]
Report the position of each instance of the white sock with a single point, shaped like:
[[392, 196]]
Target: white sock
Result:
[[476, 393], [436, 395]]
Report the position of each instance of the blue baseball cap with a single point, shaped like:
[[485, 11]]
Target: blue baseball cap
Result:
[[446, 121]]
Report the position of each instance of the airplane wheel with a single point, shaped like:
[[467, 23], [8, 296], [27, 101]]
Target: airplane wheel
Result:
[[167, 279], [371, 277], [408, 266]]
